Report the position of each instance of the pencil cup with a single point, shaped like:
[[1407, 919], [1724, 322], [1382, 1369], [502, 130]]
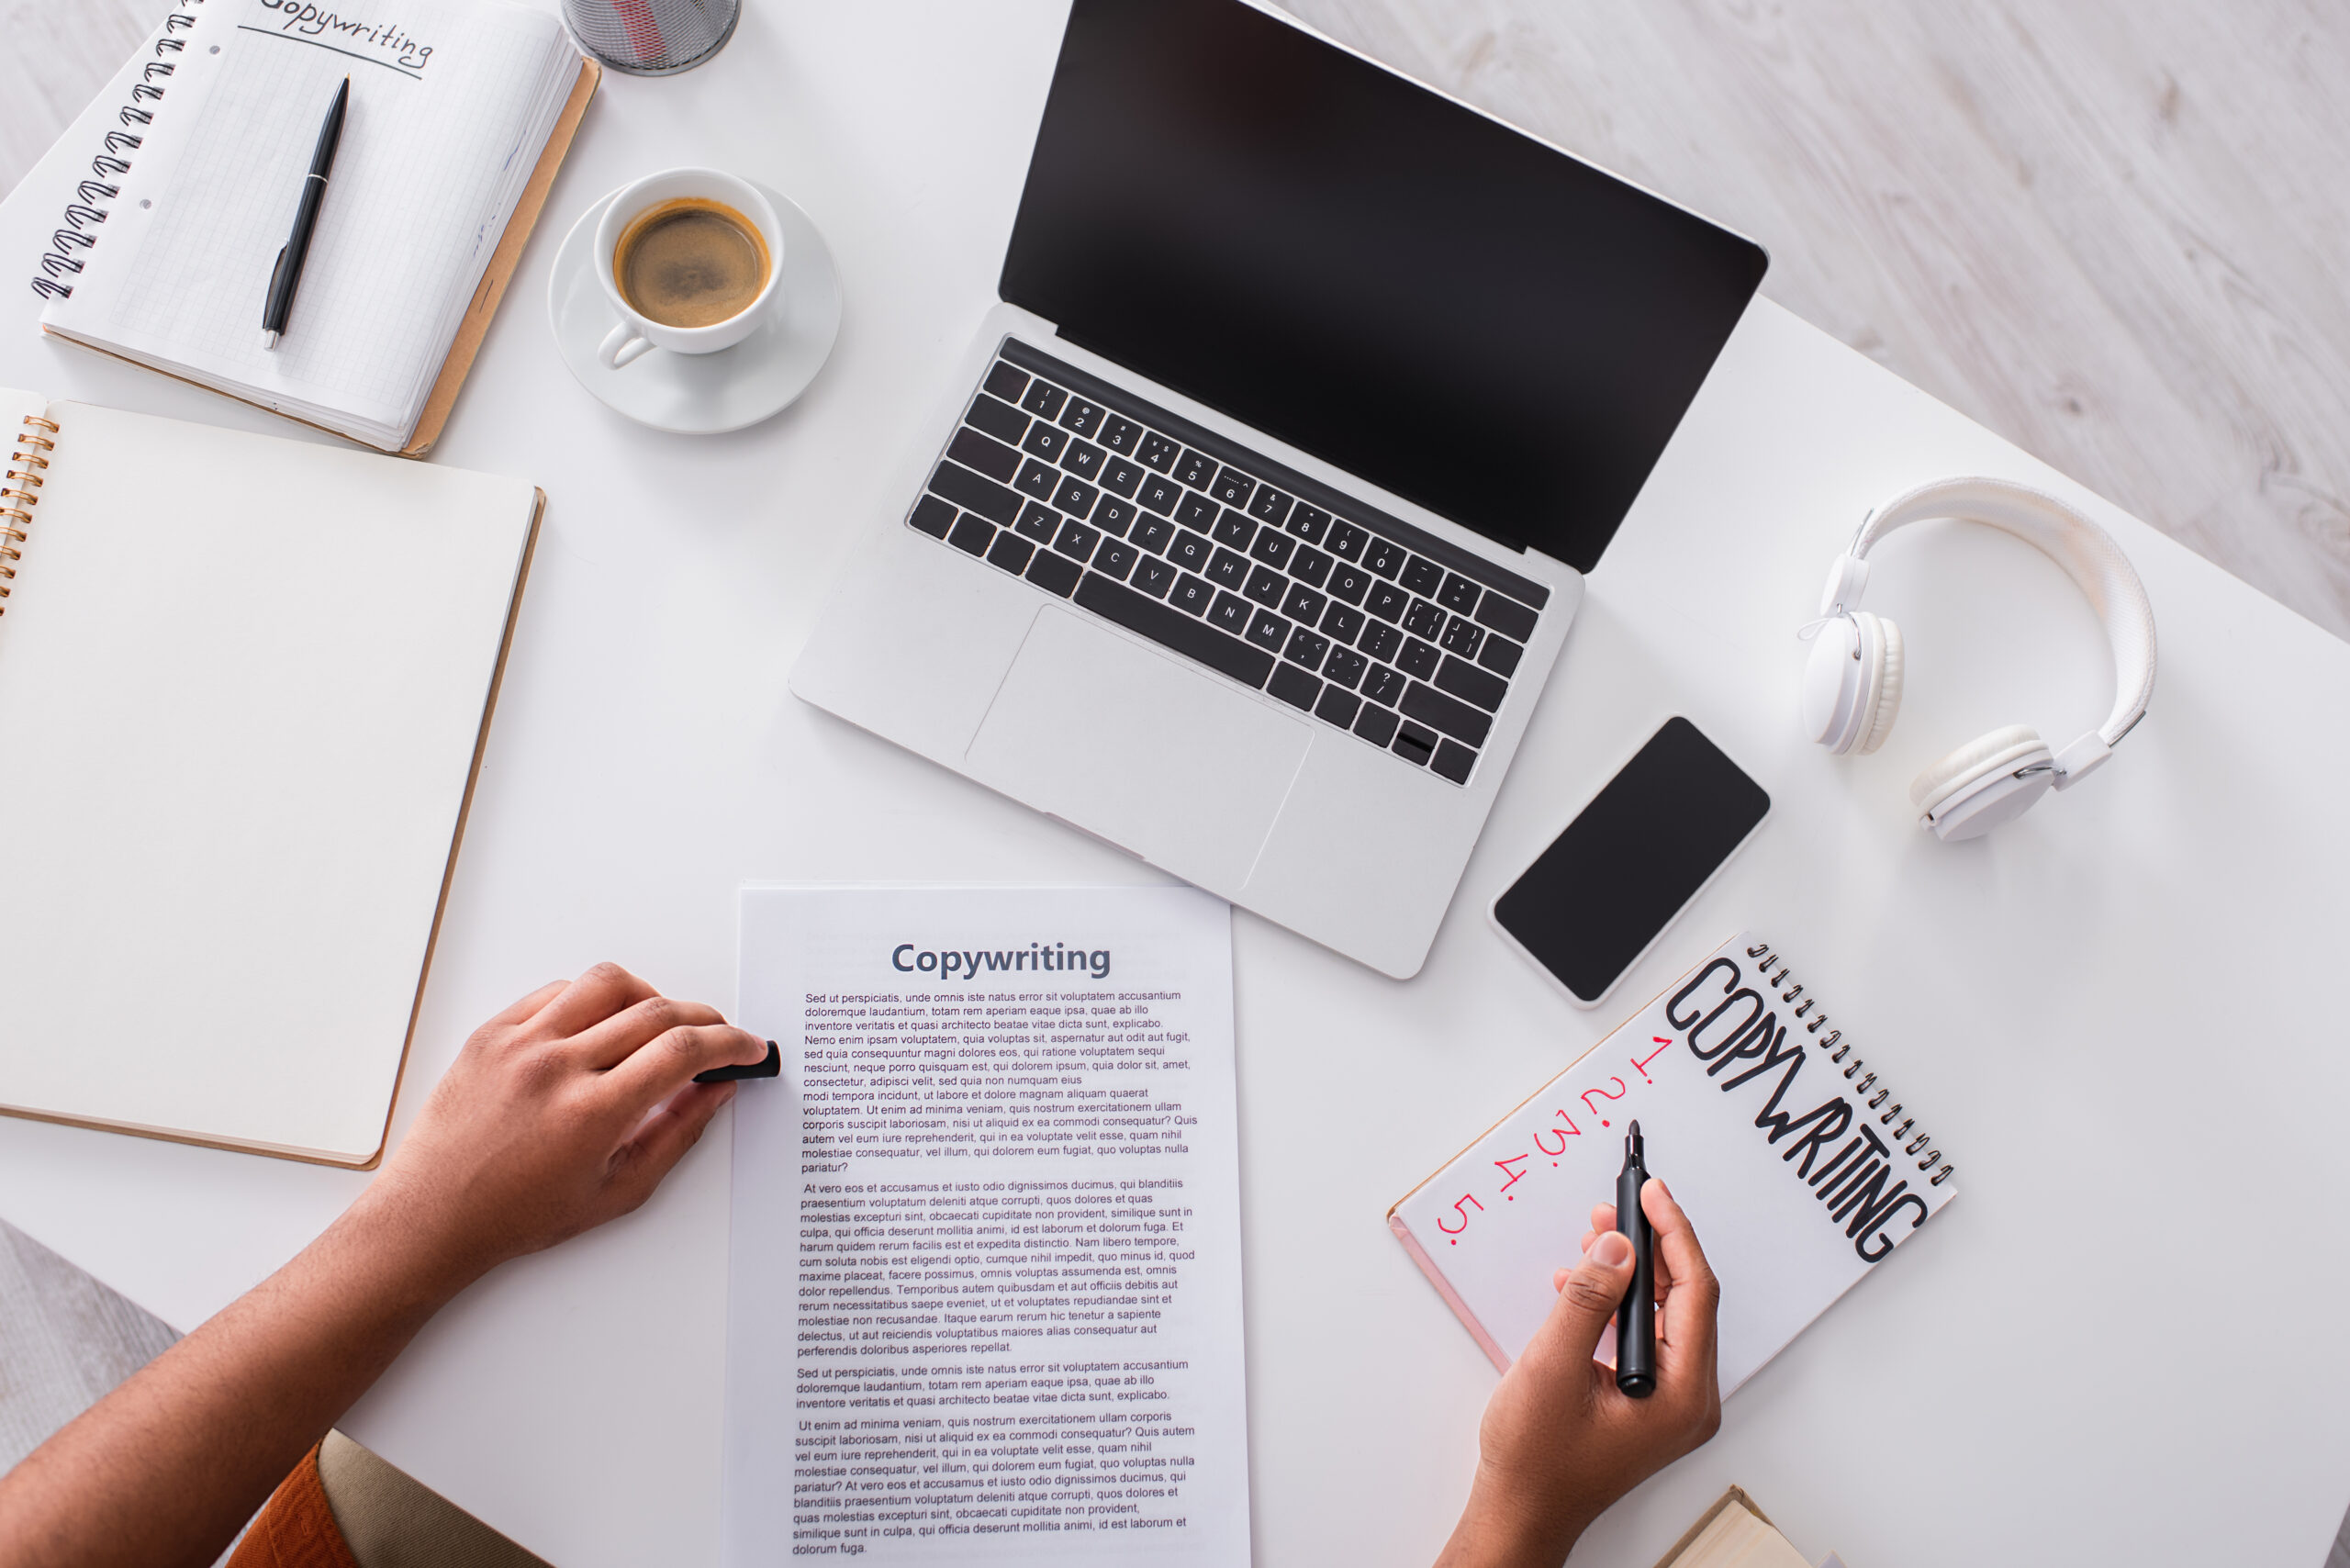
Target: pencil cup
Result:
[[652, 38]]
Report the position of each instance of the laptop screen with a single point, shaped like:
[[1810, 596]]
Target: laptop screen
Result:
[[1368, 271]]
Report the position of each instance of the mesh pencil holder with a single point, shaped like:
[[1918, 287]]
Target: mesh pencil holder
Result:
[[652, 38]]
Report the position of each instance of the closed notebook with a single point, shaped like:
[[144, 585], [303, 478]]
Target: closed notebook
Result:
[[243, 684], [460, 111], [1798, 1160]]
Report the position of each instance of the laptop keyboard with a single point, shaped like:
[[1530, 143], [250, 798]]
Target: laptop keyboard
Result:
[[1405, 640]]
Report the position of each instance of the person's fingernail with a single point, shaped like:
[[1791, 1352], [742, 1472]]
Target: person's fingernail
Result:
[[1611, 1250]]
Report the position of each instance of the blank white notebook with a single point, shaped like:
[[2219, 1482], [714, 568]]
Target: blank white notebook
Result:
[[1799, 1163], [243, 684]]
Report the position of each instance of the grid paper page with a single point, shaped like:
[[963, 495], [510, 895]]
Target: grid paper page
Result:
[[442, 97]]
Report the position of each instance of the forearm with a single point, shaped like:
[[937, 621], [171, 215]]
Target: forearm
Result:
[[1513, 1527], [169, 1466]]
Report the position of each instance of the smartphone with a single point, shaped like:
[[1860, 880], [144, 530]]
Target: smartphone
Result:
[[1596, 902]]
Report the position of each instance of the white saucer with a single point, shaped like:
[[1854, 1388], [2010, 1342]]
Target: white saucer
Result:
[[702, 394]]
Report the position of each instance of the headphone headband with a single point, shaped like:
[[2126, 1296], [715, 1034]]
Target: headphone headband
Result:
[[2089, 557]]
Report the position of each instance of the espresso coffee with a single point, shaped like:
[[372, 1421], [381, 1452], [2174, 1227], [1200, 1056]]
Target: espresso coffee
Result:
[[691, 263]]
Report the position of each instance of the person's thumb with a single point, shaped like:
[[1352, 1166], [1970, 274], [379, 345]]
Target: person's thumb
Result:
[[1588, 1301]]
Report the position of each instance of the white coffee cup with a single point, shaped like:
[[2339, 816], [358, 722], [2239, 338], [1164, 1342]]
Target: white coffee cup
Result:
[[635, 334]]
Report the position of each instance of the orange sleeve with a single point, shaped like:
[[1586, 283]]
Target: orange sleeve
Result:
[[295, 1528]]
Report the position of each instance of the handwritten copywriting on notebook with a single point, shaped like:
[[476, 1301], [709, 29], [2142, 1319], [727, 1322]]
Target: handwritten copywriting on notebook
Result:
[[1798, 1162]]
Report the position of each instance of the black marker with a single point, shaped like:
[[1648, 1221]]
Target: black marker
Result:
[[1636, 1319], [769, 1066]]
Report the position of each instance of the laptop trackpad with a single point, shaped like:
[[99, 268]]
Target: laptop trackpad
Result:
[[1137, 747]]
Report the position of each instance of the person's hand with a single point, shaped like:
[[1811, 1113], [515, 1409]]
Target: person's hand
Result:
[[547, 1125], [1558, 1443]]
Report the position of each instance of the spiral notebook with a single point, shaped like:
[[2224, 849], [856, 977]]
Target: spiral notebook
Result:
[[460, 112], [244, 682], [1799, 1163]]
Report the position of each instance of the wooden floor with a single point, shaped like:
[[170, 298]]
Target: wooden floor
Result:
[[2109, 230]]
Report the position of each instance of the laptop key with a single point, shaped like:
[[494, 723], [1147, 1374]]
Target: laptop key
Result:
[[1160, 494], [998, 419], [1380, 641], [1348, 584], [1038, 522], [1307, 648], [1301, 603], [1077, 540], [1295, 686], [1231, 487], [1338, 707], [1347, 541], [1459, 594], [1266, 585], [1153, 533], [1345, 667], [1195, 469], [1234, 528], [1501, 654], [1045, 440], [1342, 622], [1505, 615], [1011, 551], [1083, 416], [971, 533], [1375, 724], [1044, 399], [1114, 516], [1269, 631], [1470, 684], [1038, 480], [1309, 522], [933, 516], [1413, 744], [1230, 613], [1461, 636], [1146, 617], [1384, 685], [1115, 559], [1083, 459], [1422, 577], [1076, 497], [1384, 558], [1272, 546], [1054, 574], [1157, 452], [1229, 570], [984, 453], [1310, 566], [1154, 576], [1424, 620], [1388, 602], [1270, 506], [1189, 551], [1121, 477], [1006, 381], [1433, 708], [975, 493], [1196, 512], [1191, 595], [1453, 761], [1418, 658], [1120, 433]]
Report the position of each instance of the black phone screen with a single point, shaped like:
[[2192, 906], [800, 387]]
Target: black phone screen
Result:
[[1614, 879]]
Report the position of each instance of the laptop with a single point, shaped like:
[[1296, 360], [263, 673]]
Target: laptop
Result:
[[1252, 521]]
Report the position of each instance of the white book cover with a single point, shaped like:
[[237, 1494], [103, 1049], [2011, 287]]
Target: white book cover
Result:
[[1787, 1143]]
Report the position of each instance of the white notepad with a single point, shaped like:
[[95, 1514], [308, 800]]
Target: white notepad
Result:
[[243, 682], [452, 102], [1798, 1162]]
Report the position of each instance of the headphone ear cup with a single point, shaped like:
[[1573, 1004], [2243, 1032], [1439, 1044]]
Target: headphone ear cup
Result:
[[1889, 675]]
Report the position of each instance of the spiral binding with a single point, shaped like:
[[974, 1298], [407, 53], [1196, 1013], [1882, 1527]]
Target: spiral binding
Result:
[[1765, 958], [69, 246], [28, 463]]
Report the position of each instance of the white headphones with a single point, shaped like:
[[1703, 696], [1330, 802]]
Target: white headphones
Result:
[[1852, 687]]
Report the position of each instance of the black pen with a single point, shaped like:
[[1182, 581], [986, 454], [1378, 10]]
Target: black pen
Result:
[[1636, 1318], [288, 271], [769, 1066]]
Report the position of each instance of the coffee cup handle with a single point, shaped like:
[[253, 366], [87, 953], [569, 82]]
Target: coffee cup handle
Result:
[[622, 345]]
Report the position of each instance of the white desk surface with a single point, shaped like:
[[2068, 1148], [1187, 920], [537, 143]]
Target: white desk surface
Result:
[[2116, 1014]]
